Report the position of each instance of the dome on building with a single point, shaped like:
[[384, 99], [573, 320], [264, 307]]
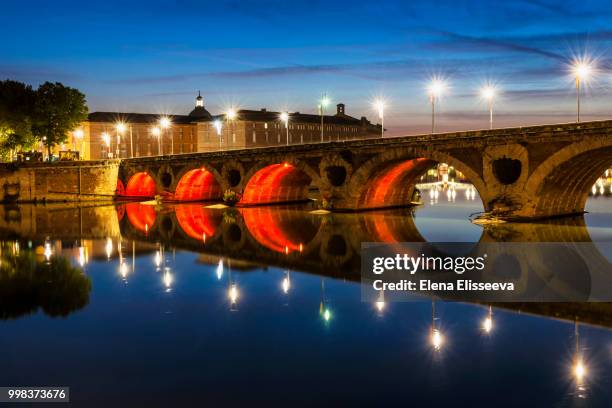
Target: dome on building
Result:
[[199, 112]]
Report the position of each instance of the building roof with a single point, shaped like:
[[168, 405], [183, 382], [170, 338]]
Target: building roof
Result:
[[112, 117], [264, 115], [200, 114]]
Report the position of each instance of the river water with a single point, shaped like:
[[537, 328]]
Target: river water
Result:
[[143, 305]]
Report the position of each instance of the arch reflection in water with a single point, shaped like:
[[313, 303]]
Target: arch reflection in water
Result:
[[281, 231], [197, 221], [141, 216]]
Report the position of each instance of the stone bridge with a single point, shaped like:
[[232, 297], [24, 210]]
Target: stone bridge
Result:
[[528, 172]]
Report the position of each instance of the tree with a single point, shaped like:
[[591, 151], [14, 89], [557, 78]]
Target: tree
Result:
[[58, 109], [16, 109]]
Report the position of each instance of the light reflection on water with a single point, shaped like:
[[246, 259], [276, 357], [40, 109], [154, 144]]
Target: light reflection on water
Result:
[[183, 303]]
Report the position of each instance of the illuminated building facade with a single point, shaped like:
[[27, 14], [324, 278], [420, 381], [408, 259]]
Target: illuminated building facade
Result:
[[123, 135]]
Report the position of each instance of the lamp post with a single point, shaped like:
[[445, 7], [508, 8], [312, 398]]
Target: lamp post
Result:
[[156, 131], [284, 116], [120, 128], [165, 123], [379, 105], [322, 105], [488, 94], [582, 70], [436, 87]]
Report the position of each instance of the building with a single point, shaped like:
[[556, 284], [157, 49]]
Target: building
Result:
[[117, 134]]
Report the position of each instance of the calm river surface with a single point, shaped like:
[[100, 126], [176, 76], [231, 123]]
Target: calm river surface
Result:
[[142, 305]]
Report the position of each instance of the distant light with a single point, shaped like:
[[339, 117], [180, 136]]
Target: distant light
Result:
[[286, 285], [158, 258], [582, 68], [436, 88], [487, 324], [219, 271], [379, 105], [168, 279], [233, 293], [123, 270], [580, 370], [82, 256], [121, 127], [218, 126], [326, 315], [155, 131], [47, 251], [106, 139], [165, 122], [437, 339], [284, 116], [325, 101], [488, 92], [109, 247], [78, 133], [230, 114], [380, 305]]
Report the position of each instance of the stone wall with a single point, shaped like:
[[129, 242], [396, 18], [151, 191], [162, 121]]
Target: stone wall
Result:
[[60, 181]]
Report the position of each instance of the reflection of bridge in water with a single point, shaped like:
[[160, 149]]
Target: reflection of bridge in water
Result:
[[327, 245]]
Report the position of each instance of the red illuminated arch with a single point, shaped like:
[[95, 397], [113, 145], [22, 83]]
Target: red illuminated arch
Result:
[[394, 183], [198, 222], [197, 185], [140, 185], [141, 216], [280, 231], [275, 184]]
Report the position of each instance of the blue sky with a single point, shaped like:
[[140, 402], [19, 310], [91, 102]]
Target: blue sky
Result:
[[153, 56]]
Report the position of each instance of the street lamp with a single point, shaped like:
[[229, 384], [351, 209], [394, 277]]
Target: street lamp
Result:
[[379, 105], [106, 138], [488, 93], [156, 131], [284, 116], [582, 69], [120, 127], [436, 88], [322, 105], [165, 123]]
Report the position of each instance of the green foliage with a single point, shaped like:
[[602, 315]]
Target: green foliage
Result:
[[58, 109], [230, 197], [16, 111], [28, 116]]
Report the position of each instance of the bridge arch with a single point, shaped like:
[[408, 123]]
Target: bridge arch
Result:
[[560, 185], [141, 184], [199, 184], [389, 179], [278, 182]]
